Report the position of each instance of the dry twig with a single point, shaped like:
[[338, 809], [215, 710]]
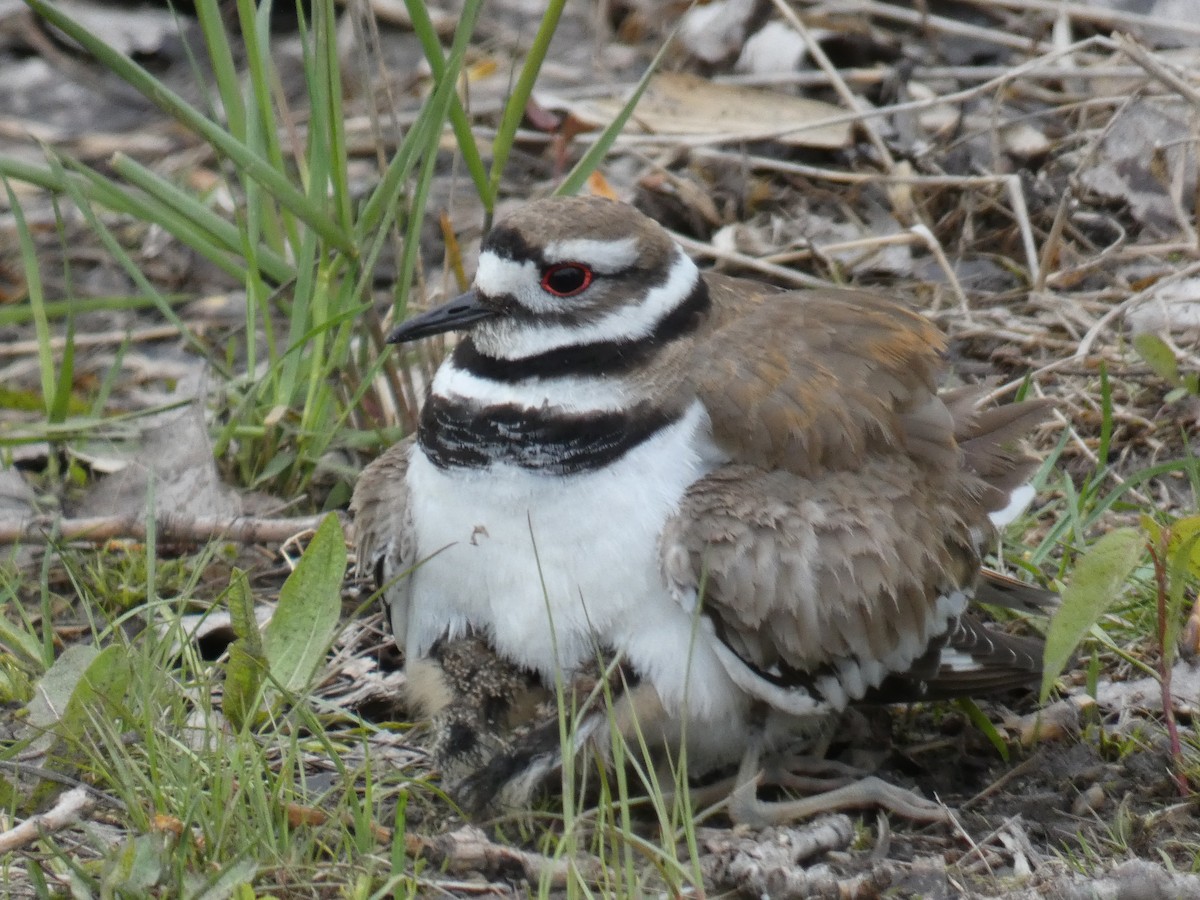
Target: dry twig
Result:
[[468, 849], [70, 808], [243, 529]]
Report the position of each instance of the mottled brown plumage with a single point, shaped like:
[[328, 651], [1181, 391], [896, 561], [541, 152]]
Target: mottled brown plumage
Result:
[[838, 537]]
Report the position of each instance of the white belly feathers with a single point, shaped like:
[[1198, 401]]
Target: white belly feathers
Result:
[[509, 550]]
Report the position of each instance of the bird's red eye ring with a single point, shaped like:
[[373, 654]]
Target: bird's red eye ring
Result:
[[566, 279]]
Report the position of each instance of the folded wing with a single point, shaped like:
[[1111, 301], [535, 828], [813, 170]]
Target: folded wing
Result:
[[840, 548]]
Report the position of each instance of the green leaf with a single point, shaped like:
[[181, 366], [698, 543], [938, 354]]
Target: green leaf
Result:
[[233, 882], [245, 673], [53, 691], [1183, 567], [1152, 528], [246, 669], [1095, 584], [24, 646], [1158, 356], [300, 632], [241, 612], [102, 687], [81, 681], [1183, 544], [136, 866]]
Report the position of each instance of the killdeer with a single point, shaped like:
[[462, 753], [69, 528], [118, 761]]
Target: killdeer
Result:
[[756, 500]]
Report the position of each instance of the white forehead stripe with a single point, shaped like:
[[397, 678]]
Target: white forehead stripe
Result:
[[630, 322], [496, 275], [605, 257]]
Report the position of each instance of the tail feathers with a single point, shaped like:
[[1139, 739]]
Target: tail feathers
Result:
[[995, 589], [969, 660], [989, 439]]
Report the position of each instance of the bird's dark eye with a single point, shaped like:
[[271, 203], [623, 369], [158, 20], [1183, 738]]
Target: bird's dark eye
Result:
[[566, 279]]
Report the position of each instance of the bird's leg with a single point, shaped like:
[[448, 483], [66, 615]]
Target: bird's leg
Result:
[[746, 807], [808, 774]]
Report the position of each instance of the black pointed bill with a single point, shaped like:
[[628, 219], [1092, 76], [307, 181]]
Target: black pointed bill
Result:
[[455, 315]]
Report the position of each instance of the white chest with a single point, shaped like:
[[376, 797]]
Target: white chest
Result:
[[551, 566]]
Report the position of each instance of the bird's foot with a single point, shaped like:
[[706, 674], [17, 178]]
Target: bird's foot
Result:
[[831, 786]]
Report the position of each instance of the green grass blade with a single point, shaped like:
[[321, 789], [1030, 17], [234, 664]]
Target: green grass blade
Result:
[[147, 208], [60, 404], [255, 24], [427, 35], [57, 309], [332, 137], [220, 232], [514, 109], [421, 141], [1106, 419], [33, 286], [100, 190], [118, 252], [590, 161], [254, 165], [425, 132], [220, 55], [384, 199]]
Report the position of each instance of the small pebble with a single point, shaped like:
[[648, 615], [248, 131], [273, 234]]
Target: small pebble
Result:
[[1089, 801]]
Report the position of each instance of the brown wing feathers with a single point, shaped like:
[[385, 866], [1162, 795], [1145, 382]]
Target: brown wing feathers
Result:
[[862, 495], [816, 380], [382, 522], [989, 440]]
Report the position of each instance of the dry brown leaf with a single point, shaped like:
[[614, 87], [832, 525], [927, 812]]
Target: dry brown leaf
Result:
[[174, 468], [598, 186], [1024, 141], [169, 824], [676, 104], [298, 814], [1139, 157]]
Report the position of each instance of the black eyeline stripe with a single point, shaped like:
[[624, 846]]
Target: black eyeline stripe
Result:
[[456, 433], [507, 243], [601, 359]]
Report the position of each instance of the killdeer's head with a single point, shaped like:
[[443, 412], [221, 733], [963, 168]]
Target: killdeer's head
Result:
[[569, 272]]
